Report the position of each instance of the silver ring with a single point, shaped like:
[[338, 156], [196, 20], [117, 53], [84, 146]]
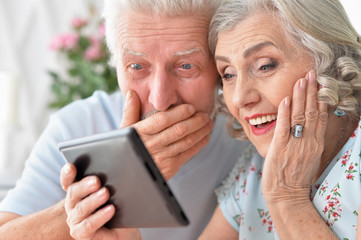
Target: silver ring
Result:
[[296, 130]]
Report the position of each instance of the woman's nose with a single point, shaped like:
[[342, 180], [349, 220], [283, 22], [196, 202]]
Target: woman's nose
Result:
[[245, 93]]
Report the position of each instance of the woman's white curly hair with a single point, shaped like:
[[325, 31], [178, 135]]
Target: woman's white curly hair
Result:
[[320, 27]]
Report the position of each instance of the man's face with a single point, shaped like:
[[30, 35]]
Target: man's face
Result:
[[166, 61]]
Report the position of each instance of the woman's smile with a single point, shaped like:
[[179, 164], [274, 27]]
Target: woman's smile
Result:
[[262, 123]]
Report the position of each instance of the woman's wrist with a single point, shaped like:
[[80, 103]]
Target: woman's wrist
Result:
[[298, 219]]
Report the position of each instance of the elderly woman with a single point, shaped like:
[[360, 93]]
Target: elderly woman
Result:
[[291, 78]]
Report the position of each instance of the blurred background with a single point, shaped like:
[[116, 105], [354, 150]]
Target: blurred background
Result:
[[51, 53]]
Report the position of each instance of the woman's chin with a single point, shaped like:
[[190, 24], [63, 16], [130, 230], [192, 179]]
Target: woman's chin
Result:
[[262, 150]]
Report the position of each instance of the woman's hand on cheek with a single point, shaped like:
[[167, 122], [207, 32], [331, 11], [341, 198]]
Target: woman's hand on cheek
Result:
[[292, 162]]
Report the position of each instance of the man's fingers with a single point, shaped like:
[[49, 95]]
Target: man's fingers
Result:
[[171, 166], [88, 228], [84, 208], [178, 131], [187, 141], [131, 110], [67, 175], [79, 190], [162, 120]]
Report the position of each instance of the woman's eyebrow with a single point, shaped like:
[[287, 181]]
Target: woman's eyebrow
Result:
[[256, 48], [222, 58], [248, 51]]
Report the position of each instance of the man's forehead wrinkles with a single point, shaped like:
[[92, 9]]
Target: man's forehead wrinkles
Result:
[[165, 32]]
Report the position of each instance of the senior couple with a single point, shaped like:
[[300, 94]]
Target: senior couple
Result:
[[290, 74]]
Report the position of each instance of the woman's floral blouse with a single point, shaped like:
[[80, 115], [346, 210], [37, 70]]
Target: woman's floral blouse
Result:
[[336, 194]]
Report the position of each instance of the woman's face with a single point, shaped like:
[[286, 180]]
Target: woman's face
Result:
[[259, 67]]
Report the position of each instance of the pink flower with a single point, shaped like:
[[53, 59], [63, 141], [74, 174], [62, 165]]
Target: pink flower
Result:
[[78, 23], [350, 168], [64, 41], [93, 53], [95, 41], [101, 30]]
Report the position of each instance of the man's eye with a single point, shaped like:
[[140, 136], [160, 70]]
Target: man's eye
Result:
[[227, 76], [187, 66], [136, 66]]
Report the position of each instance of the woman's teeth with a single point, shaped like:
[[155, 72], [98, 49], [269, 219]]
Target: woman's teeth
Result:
[[262, 119]]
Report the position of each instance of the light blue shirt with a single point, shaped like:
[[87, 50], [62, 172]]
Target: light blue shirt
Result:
[[194, 184]]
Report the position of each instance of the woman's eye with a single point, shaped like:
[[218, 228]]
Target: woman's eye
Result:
[[227, 76], [269, 66], [187, 66], [136, 66]]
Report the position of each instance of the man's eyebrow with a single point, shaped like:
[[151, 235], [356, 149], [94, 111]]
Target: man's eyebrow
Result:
[[128, 51], [187, 52], [256, 48]]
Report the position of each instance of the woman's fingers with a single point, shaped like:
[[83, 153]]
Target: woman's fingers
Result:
[[298, 102], [282, 130], [311, 110]]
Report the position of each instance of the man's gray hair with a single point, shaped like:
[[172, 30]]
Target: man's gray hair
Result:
[[112, 9], [320, 27]]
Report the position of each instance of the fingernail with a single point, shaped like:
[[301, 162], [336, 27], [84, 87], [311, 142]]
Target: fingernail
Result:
[[108, 209], [91, 182], [302, 83], [66, 169], [286, 101], [311, 75], [129, 95], [101, 192]]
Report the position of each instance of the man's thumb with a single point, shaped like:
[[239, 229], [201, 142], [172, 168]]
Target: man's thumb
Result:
[[131, 110]]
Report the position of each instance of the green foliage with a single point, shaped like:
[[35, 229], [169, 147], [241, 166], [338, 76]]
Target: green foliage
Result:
[[86, 65]]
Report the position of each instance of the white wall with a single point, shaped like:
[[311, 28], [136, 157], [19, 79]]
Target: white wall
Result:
[[353, 9], [26, 28]]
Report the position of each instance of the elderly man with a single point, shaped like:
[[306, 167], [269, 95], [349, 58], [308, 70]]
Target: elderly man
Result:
[[168, 78]]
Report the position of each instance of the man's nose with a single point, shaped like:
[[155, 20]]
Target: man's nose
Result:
[[163, 92]]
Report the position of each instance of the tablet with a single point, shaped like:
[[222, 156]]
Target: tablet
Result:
[[140, 194]]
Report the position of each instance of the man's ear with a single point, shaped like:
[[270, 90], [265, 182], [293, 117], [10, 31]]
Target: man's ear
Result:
[[131, 109]]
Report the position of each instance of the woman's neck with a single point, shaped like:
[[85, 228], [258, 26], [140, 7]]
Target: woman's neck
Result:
[[338, 131]]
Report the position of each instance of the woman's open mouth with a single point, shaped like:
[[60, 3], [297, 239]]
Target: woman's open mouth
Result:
[[262, 124]]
